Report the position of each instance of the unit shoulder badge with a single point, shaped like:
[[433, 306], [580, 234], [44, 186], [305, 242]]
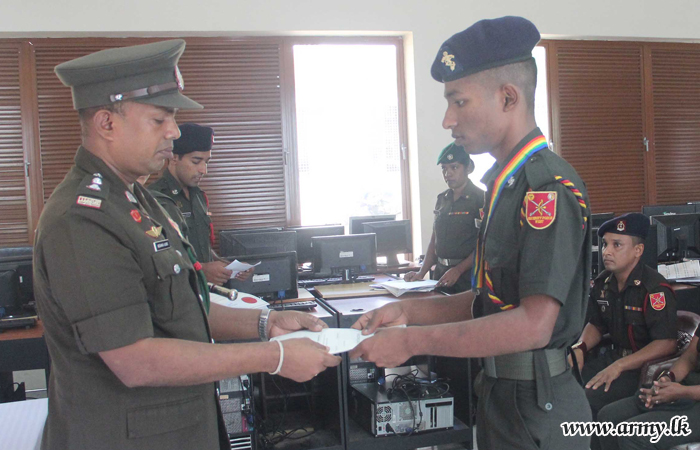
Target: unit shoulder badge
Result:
[[658, 301], [541, 208]]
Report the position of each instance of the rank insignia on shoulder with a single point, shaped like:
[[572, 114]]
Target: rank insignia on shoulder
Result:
[[90, 202], [94, 187], [136, 215], [97, 180], [510, 181], [541, 208], [154, 232], [637, 282], [131, 197], [658, 301]]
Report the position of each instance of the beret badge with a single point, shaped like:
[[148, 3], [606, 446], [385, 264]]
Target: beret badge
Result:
[[448, 60]]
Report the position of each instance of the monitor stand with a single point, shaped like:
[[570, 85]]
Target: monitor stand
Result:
[[393, 261]]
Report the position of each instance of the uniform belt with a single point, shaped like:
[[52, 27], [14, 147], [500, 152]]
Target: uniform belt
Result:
[[521, 366], [449, 261]]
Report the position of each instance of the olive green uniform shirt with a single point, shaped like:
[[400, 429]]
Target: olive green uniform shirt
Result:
[[110, 270], [455, 228], [197, 217], [553, 261]]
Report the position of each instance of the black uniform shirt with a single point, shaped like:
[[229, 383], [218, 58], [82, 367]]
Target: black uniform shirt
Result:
[[644, 311], [455, 222], [553, 261], [110, 270], [194, 210]]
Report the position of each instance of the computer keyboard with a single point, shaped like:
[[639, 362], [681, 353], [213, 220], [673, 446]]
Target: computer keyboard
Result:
[[332, 280], [293, 306], [17, 322]]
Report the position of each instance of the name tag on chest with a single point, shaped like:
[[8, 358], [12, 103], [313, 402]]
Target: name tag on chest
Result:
[[186, 214], [161, 245]]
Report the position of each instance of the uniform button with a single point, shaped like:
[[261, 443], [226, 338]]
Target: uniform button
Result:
[[178, 252], [176, 268], [548, 406]]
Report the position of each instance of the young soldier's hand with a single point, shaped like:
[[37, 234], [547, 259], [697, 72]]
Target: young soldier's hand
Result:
[[449, 278], [387, 348], [388, 315], [304, 359], [413, 276]]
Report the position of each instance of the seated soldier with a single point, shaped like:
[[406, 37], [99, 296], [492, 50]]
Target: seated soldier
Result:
[[635, 305], [666, 399]]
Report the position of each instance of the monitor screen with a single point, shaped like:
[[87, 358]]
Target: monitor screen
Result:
[[393, 237], [678, 236], [357, 223], [665, 210], [16, 283], [274, 279], [304, 235], [348, 255], [233, 243], [600, 218]]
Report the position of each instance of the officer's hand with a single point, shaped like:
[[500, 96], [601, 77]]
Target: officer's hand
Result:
[[449, 278], [664, 391], [579, 359], [388, 315], [283, 322], [216, 272], [387, 348], [304, 359], [412, 276], [242, 276], [605, 377]]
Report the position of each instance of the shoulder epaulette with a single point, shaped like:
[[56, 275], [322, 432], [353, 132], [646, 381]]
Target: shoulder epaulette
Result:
[[92, 191], [652, 279]]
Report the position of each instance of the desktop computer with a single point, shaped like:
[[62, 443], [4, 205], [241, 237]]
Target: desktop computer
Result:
[[668, 210], [386, 412], [306, 234], [274, 279], [356, 223], [346, 256], [678, 236], [393, 237], [238, 410], [244, 243]]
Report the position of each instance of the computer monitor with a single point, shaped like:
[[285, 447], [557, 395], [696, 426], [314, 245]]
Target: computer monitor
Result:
[[246, 243], [393, 237], [356, 225], [347, 256], [665, 210], [678, 236], [599, 219], [16, 284], [274, 279], [305, 234]]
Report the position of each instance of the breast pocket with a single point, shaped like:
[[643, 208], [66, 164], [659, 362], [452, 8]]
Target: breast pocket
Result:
[[502, 258], [174, 294]]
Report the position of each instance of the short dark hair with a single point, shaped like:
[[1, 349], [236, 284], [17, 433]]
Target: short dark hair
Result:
[[522, 75], [636, 240], [86, 114]]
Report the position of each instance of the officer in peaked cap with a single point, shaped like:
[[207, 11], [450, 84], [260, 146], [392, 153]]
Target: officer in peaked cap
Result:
[[178, 192], [635, 305], [127, 317], [532, 260], [453, 241]]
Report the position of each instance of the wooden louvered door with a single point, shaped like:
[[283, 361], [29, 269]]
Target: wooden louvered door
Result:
[[675, 135], [14, 223], [598, 119], [237, 81]]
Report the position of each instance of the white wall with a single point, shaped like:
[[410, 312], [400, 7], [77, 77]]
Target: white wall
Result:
[[426, 24]]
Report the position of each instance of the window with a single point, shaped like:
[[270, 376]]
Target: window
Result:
[[348, 131]]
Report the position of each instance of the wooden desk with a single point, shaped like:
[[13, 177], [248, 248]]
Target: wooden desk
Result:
[[23, 349]]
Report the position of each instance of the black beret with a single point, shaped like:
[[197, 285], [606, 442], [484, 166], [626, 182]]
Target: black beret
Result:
[[454, 153], [487, 44], [632, 224], [193, 138]]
